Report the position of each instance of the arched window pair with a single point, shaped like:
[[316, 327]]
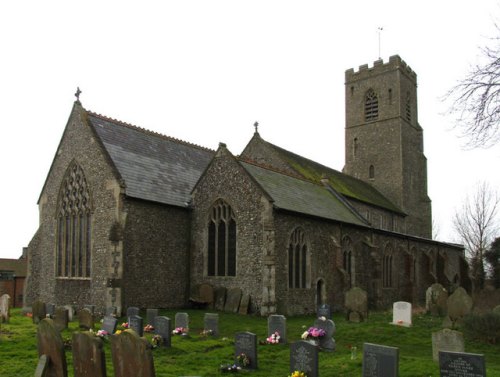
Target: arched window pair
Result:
[[298, 260], [221, 240]]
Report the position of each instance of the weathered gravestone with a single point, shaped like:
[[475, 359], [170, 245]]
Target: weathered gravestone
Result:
[[245, 343], [50, 309], [182, 320], [132, 355], [91, 308], [435, 300], [4, 308], [61, 318], [324, 310], [461, 364], [71, 312], [109, 324], [276, 322], [244, 304], [88, 355], [447, 340], [42, 366], [211, 323], [163, 328], [326, 342], [50, 343], [233, 300], [111, 311], [401, 313], [304, 358], [39, 311], [132, 310], [150, 316], [135, 323], [86, 319], [459, 305], [220, 298], [207, 294], [380, 361], [356, 304]]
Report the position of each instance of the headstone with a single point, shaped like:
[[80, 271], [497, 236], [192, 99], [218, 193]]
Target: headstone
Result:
[[435, 300], [220, 298], [244, 304], [380, 361], [207, 294], [61, 318], [4, 308], [182, 320], [91, 308], [401, 313], [88, 355], [150, 316], [276, 322], [86, 319], [233, 300], [39, 311], [326, 342], [109, 324], [132, 310], [132, 355], [324, 310], [135, 323], [246, 343], [211, 322], [461, 364], [304, 358], [42, 366], [356, 301], [355, 317], [447, 340], [163, 328], [111, 311], [50, 310], [50, 343], [459, 305], [71, 312]]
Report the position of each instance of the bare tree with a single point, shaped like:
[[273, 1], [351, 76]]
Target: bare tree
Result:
[[476, 99], [476, 225]]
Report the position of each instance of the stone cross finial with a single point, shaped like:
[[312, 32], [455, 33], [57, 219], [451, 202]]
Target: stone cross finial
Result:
[[256, 125], [77, 94]]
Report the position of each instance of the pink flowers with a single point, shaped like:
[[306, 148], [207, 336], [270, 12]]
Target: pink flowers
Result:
[[313, 332], [180, 331], [148, 328], [102, 333], [125, 325], [274, 338]]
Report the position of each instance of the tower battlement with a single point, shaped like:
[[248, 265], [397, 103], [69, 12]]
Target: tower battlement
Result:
[[395, 63]]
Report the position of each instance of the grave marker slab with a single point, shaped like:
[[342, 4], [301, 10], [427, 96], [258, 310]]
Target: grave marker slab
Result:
[[150, 316], [50, 343], [380, 361], [324, 311], [39, 311], [326, 342], [109, 324], [461, 364], [447, 340], [71, 312], [182, 320], [401, 313], [246, 343], [111, 311], [211, 322], [91, 308], [244, 304], [4, 308], [459, 304], [88, 355], [356, 301], [135, 323], [86, 319], [304, 358], [207, 294], [61, 318], [132, 355], [277, 322], [163, 327], [220, 298], [436, 298], [132, 310], [42, 366], [50, 309], [233, 300]]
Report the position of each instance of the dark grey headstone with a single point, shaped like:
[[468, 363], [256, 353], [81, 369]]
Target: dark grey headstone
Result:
[[50, 309], [109, 324], [326, 342], [211, 322], [61, 318], [39, 311], [246, 343], [91, 308], [132, 355], [135, 323], [233, 300], [111, 311], [447, 340], [50, 343], [86, 319], [461, 364], [276, 322], [88, 355], [324, 310], [132, 310], [150, 316], [182, 320], [220, 298], [304, 358], [71, 312], [163, 327], [380, 361]]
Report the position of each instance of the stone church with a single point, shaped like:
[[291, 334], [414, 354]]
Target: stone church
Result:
[[130, 217]]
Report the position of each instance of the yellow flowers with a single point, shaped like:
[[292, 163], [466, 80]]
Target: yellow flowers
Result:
[[298, 374]]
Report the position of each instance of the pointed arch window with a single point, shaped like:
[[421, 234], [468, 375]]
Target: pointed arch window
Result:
[[221, 241], [348, 258], [298, 260], [371, 105], [387, 267], [371, 172], [74, 222]]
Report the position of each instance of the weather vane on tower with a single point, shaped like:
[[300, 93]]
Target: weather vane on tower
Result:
[[379, 33]]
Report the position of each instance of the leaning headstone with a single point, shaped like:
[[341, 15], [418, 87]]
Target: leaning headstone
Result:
[[150, 316], [86, 319], [50, 309], [459, 305], [207, 294], [109, 324], [4, 308], [244, 304], [401, 313], [447, 340], [211, 323], [111, 311], [42, 366], [356, 304], [132, 355], [380, 361], [276, 322], [132, 310], [39, 311], [435, 300], [233, 300], [304, 358], [135, 323], [220, 298], [88, 355], [326, 342], [182, 320], [61, 318], [71, 312], [50, 343], [324, 310], [163, 328], [461, 364], [245, 344]]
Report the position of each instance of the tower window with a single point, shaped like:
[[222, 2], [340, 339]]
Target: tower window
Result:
[[355, 147], [222, 241], [408, 107], [371, 172], [371, 105]]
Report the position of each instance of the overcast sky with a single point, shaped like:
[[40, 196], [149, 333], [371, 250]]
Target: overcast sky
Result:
[[205, 71]]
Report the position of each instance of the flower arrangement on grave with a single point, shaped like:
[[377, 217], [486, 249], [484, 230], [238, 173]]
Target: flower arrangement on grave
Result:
[[206, 332], [313, 333], [156, 341], [230, 368], [274, 338], [243, 360], [125, 325], [297, 373], [29, 315], [148, 328], [180, 331], [102, 333]]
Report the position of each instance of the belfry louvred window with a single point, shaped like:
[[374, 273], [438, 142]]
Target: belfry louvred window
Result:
[[221, 259], [371, 105], [74, 221]]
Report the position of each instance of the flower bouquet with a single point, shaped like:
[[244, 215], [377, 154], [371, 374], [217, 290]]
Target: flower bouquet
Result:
[[206, 332], [274, 338], [102, 333], [313, 333], [180, 331], [125, 325], [243, 360], [229, 368], [297, 374], [148, 328], [156, 341]]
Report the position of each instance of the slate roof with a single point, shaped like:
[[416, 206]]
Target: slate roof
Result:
[[153, 166], [302, 196]]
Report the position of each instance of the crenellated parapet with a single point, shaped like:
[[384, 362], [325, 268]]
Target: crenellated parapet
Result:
[[395, 63]]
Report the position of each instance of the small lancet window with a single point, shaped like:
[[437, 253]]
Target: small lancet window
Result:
[[371, 172], [408, 107], [298, 255], [371, 106]]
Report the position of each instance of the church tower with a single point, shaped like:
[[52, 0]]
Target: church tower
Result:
[[384, 142]]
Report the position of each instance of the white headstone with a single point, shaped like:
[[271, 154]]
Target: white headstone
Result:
[[401, 313]]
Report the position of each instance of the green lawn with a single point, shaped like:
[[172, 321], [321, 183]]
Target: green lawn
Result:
[[200, 356]]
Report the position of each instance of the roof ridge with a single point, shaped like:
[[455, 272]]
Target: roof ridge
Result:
[[274, 169], [145, 130]]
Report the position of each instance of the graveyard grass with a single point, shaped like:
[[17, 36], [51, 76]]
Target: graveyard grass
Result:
[[202, 356]]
